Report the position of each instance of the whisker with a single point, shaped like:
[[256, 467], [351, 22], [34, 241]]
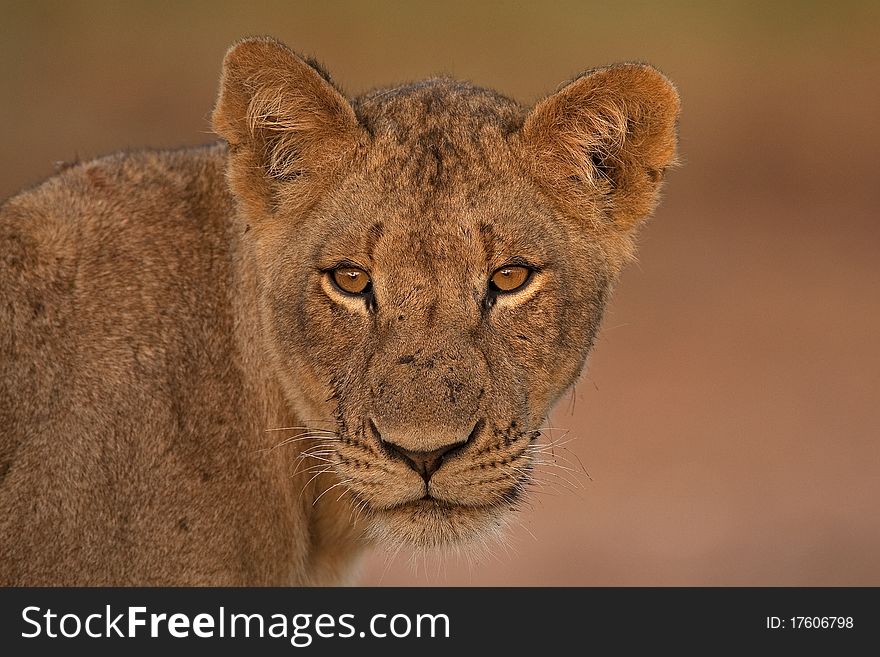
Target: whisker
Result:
[[580, 470], [317, 450], [317, 457], [312, 467], [296, 429], [339, 483], [389, 561], [298, 438], [558, 484], [315, 476], [355, 515], [557, 443], [522, 525], [561, 472], [555, 464]]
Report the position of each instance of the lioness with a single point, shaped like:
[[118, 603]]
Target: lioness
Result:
[[239, 364]]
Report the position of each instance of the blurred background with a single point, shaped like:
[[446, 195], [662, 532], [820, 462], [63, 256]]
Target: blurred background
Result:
[[730, 416]]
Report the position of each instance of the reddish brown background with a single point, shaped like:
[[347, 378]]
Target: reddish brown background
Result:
[[729, 419]]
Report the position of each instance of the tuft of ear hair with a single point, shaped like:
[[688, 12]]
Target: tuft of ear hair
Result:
[[601, 144], [283, 119]]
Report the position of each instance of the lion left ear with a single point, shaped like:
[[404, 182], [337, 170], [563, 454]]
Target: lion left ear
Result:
[[601, 144]]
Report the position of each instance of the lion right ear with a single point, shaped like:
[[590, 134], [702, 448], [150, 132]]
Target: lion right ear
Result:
[[601, 144], [284, 121]]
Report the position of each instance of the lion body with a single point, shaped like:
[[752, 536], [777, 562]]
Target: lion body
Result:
[[188, 396], [134, 397]]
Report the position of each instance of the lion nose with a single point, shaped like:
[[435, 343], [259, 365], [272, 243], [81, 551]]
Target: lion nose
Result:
[[422, 448], [425, 463]]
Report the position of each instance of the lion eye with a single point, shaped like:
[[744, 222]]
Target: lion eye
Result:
[[509, 279], [351, 280]]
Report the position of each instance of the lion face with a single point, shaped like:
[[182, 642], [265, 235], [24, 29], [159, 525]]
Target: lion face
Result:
[[438, 379], [434, 263]]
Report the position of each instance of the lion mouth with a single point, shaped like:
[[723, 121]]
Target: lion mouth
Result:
[[428, 501]]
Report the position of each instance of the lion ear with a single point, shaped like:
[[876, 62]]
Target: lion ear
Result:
[[283, 119], [600, 145]]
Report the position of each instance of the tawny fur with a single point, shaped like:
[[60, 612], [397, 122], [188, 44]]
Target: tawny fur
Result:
[[186, 398]]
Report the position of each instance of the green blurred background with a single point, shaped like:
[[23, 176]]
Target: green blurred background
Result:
[[730, 418]]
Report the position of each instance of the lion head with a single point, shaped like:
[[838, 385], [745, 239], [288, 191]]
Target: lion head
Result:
[[434, 261]]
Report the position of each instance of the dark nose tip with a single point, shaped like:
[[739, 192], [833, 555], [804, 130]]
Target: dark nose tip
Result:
[[425, 463]]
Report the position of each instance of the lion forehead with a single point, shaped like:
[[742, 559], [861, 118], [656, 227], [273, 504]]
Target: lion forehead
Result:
[[437, 103]]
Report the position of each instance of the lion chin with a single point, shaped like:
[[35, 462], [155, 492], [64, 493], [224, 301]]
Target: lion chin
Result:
[[432, 524]]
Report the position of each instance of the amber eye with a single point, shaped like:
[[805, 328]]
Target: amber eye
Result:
[[351, 280], [510, 279]]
